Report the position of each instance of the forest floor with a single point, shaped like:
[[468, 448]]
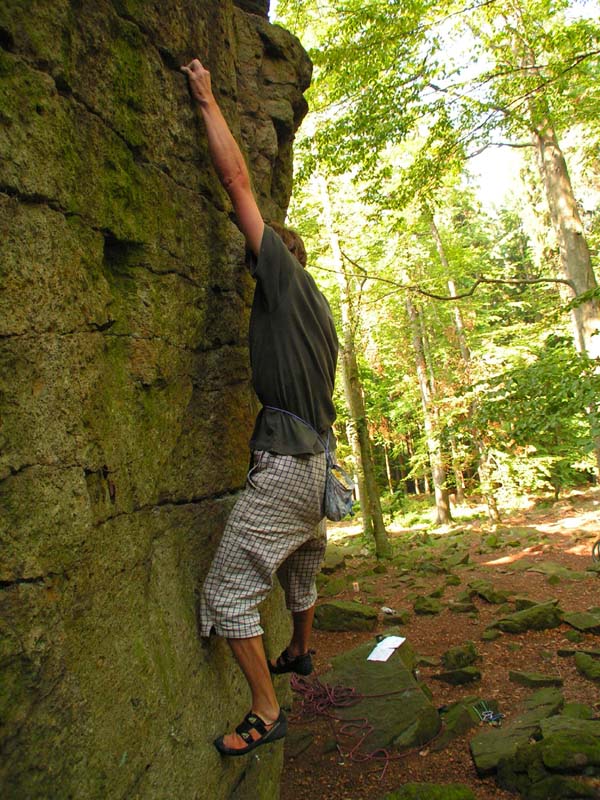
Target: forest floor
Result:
[[563, 533]]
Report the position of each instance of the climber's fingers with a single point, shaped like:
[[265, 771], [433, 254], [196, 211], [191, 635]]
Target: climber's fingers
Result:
[[199, 79], [194, 68]]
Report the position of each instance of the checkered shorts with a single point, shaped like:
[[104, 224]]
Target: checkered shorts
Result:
[[276, 526]]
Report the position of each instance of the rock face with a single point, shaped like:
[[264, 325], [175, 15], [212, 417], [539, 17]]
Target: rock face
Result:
[[394, 704], [125, 407]]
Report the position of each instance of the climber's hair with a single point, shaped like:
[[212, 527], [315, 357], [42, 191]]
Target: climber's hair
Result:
[[292, 240]]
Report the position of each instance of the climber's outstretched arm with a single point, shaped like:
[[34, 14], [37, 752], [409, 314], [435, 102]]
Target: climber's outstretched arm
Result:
[[226, 156]]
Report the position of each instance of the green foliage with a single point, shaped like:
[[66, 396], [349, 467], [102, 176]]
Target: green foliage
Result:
[[403, 94], [538, 418]]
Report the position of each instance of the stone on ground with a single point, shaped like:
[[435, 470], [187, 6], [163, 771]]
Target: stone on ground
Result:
[[464, 607], [487, 592], [574, 636], [334, 559], [460, 656], [571, 651], [427, 605], [402, 715], [587, 666], [536, 618], [583, 621], [522, 603], [552, 569], [459, 559], [490, 634], [534, 679], [345, 615], [489, 747], [332, 586], [399, 617], [562, 761], [432, 791], [459, 718], [458, 677]]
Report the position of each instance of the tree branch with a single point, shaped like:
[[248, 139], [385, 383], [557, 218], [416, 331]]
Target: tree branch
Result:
[[481, 279]]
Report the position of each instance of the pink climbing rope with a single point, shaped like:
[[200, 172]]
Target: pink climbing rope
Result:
[[317, 700]]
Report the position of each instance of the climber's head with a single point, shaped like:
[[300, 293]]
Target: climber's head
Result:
[[292, 240]]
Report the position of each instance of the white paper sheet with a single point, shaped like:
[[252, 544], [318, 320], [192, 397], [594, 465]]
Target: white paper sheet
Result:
[[384, 649]]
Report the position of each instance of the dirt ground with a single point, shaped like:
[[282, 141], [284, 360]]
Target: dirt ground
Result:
[[566, 533]]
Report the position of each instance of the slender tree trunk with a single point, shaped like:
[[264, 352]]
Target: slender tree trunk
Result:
[[484, 469], [434, 448], [370, 502], [388, 468]]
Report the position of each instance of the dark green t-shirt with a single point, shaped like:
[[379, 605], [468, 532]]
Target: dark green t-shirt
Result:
[[293, 352]]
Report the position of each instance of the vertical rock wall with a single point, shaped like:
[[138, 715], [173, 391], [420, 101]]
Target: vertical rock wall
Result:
[[125, 407]]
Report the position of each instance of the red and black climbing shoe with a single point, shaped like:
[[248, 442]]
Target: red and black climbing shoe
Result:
[[301, 665], [254, 731]]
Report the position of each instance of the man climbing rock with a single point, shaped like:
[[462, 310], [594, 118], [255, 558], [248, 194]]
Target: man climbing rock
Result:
[[277, 524]]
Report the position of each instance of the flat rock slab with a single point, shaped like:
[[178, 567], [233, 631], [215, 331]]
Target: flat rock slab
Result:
[[536, 618], [571, 651], [534, 679], [583, 621], [570, 725], [345, 615], [487, 749], [401, 714], [551, 568], [432, 791], [458, 677]]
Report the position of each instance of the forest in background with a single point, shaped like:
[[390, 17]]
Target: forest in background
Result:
[[469, 339]]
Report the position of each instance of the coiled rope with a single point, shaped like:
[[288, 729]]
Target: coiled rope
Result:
[[318, 699]]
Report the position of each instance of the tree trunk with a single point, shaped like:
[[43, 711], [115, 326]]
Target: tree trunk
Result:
[[370, 502], [575, 257], [484, 468], [434, 448], [388, 468]]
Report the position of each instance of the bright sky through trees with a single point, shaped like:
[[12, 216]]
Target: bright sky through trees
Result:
[[495, 172]]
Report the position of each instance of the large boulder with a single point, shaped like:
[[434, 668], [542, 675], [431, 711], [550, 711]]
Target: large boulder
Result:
[[564, 762], [489, 747], [393, 702], [125, 399]]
